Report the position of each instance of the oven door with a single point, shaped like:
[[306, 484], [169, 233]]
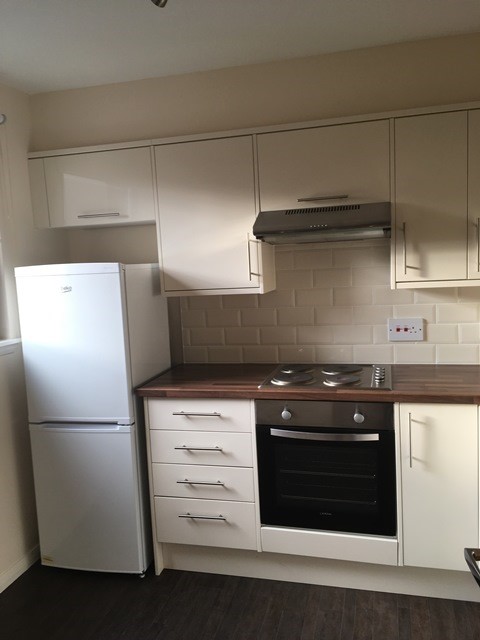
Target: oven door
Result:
[[331, 479]]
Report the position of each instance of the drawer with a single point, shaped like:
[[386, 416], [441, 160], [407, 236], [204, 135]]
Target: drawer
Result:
[[198, 481], [203, 414], [222, 524], [206, 448]]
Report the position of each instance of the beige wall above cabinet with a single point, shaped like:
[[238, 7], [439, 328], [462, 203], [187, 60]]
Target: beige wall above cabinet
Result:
[[93, 189], [439, 471], [324, 162], [207, 207], [437, 199]]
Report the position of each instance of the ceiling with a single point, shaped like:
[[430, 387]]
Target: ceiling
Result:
[[48, 45]]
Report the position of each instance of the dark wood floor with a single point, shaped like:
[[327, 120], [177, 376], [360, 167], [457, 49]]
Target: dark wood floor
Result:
[[57, 604]]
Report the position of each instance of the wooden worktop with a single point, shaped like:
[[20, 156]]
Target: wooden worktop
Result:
[[411, 383]]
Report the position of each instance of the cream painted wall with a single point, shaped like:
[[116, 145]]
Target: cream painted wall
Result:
[[416, 74], [21, 244]]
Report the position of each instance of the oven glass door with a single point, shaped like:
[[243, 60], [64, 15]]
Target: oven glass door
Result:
[[332, 479]]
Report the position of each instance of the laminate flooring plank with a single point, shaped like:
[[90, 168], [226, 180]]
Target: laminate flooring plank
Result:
[[225, 587], [348, 615], [385, 616], [404, 631], [273, 614], [257, 606], [233, 617], [294, 606], [312, 613], [467, 620], [420, 619], [442, 620]]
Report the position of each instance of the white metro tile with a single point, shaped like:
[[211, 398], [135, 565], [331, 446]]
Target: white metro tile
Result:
[[352, 334], [425, 311], [372, 314], [333, 315], [326, 278], [313, 297], [295, 316], [258, 317], [457, 354], [223, 317], [283, 258], [237, 301], [277, 298], [242, 335], [385, 295], [260, 354], [435, 296], [352, 296], [370, 276], [334, 354], [195, 354], [206, 336], [438, 333], [204, 302], [416, 353], [374, 354], [278, 335], [298, 353], [225, 354], [469, 333], [462, 312], [193, 318], [295, 279], [312, 259], [315, 335], [363, 256]]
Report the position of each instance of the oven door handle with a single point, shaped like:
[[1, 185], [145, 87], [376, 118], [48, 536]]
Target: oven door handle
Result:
[[332, 437]]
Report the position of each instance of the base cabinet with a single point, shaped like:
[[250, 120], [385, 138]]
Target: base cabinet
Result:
[[439, 474], [201, 472]]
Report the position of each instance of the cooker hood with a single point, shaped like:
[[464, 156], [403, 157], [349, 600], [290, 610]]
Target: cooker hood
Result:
[[326, 223]]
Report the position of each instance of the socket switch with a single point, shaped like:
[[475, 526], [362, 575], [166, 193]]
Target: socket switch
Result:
[[405, 329]]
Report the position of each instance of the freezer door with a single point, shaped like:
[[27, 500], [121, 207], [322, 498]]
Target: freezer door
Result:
[[88, 497], [75, 345]]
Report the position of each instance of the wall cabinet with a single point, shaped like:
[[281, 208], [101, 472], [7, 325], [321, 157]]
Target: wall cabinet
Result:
[[207, 207], [304, 167], [93, 189], [201, 472], [437, 199], [439, 474]]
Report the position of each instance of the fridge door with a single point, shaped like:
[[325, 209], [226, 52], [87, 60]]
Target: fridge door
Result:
[[75, 343], [87, 494]]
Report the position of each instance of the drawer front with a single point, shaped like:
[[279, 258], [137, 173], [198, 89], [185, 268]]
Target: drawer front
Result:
[[200, 414], [223, 524], [206, 448], [197, 481]]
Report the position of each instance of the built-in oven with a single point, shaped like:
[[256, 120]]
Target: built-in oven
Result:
[[327, 465]]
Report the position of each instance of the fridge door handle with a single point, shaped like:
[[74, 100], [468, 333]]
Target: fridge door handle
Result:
[[80, 428]]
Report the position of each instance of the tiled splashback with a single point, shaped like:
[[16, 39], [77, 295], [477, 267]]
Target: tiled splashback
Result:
[[331, 305]]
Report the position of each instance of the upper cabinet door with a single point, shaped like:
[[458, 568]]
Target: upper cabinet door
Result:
[[295, 167], [207, 207], [474, 194], [99, 188], [431, 197]]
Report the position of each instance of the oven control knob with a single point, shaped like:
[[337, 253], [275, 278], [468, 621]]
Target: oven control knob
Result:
[[286, 415], [358, 417]]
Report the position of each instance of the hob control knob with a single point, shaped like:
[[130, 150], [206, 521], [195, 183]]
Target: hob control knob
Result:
[[286, 414], [358, 417]]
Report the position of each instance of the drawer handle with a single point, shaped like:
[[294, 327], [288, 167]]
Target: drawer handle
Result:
[[111, 214], [341, 196], [218, 483], [185, 448], [193, 517], [194, 414]]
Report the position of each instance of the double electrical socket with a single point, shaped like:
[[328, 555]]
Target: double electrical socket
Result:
[[405, 329]]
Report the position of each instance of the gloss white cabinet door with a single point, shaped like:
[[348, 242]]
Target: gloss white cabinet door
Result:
[[207, 207], [112, 187], [440, 494], [474, 194]]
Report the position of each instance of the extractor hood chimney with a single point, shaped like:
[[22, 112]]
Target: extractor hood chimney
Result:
[[326, 223]]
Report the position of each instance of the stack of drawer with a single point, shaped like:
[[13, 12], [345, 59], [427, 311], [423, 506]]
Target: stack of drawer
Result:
[[202, 471]]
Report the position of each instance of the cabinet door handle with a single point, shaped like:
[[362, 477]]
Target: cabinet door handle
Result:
[[478, 243], [111, 214], [250, 272], [200, 517], [410, 456], [342, 196], [184, 447], [404, 232], [197, 414], [217, 483]]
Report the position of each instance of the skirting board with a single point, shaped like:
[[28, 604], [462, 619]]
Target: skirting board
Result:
[[433, 583], [15, 571]]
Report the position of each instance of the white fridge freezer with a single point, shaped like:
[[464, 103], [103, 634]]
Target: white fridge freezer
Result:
[[91, 332]]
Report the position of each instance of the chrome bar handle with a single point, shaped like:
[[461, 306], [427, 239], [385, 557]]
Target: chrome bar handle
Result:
[[478, 244], [197, 414], [333, 437], [184, 447], [342, 196], [250, 272], [111, 214], [404, 232], [217, 483], [194, 517], [410, 440]]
